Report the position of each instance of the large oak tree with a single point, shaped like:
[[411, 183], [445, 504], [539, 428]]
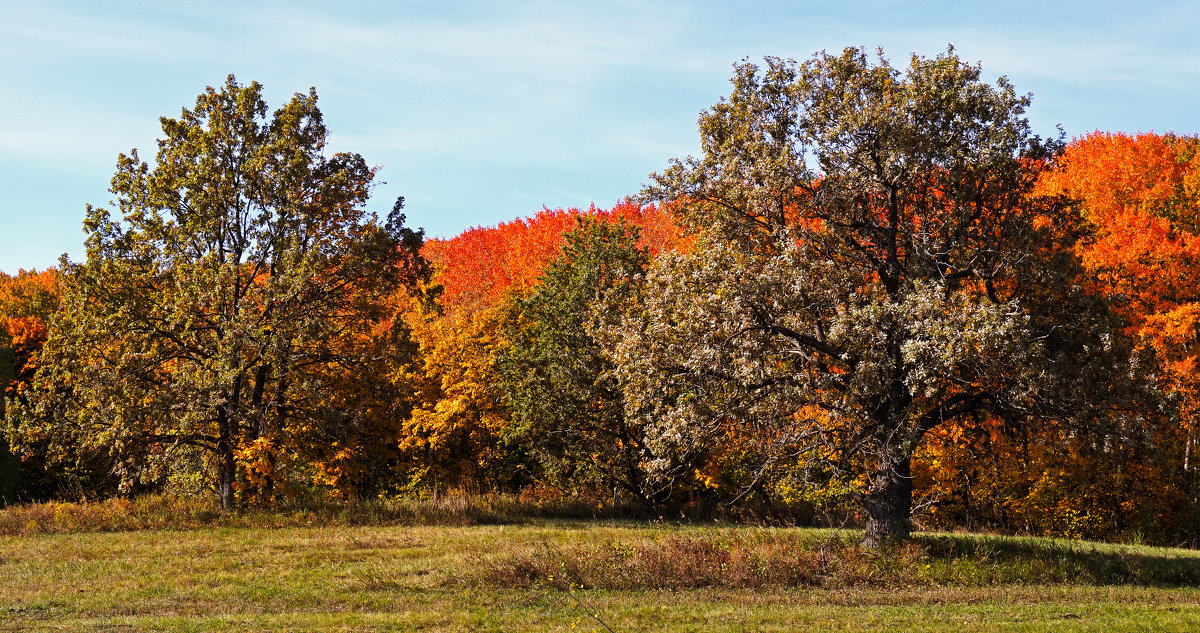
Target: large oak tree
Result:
[[871, 264]]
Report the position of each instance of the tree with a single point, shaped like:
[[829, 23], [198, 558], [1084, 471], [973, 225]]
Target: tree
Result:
[[870, 265], [211, 314], [565, 401]]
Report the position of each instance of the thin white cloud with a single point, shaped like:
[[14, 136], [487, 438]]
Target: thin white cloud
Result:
[[480, 111], [57, 33]]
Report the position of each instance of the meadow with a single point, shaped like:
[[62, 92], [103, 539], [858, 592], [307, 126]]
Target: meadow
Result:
[[464, 566]]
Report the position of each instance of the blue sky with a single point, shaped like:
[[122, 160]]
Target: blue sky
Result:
[[479, 112]]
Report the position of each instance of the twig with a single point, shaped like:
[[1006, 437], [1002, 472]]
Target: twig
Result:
[[579, 603]]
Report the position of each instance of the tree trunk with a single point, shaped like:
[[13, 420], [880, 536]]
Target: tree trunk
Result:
[[226, 472], [226, 465], [888, 503]]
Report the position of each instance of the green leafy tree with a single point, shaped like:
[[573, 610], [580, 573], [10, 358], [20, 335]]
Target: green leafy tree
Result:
[[870, 265], [212, 315], [564, 399]]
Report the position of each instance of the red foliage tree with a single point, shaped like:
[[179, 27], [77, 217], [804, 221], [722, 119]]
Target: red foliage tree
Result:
[[481, 265]]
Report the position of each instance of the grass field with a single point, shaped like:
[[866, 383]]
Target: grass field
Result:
[[573, 575]]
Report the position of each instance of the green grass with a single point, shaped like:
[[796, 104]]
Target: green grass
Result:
[[550, 575]]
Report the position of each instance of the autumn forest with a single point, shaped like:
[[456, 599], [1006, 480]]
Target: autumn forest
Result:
[[874, 298]]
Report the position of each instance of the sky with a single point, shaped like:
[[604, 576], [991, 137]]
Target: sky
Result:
[[481, 112]]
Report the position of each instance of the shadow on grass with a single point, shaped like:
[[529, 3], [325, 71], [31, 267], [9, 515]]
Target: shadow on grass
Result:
[[1010, 559]]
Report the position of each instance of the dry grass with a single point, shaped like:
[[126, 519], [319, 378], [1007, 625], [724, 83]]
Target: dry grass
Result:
[[158, 512], [779, 558]]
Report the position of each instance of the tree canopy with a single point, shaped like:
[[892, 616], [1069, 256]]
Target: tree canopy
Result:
[[217, 311]]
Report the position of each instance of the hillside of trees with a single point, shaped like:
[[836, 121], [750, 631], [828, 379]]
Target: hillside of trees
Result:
[[874, 296]]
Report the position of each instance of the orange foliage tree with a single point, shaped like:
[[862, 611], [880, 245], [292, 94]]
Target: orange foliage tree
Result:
[[27, 300], [482, 266], [1140, 194], [1139, 197]]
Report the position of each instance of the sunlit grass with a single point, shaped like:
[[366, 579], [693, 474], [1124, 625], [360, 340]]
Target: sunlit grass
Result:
[[633, 576]]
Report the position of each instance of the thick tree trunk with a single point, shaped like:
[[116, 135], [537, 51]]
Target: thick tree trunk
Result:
[[888, 503], [227, 428]]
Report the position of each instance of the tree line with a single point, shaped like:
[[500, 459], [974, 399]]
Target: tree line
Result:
[[874, 292]]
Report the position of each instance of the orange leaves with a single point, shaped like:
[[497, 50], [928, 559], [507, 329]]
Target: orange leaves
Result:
[[482, 265], [1134, 189], [27, 332], [1113, 172], [479, 266], [29, 293], [1145, 258], [26, 301], [1175, 329]]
